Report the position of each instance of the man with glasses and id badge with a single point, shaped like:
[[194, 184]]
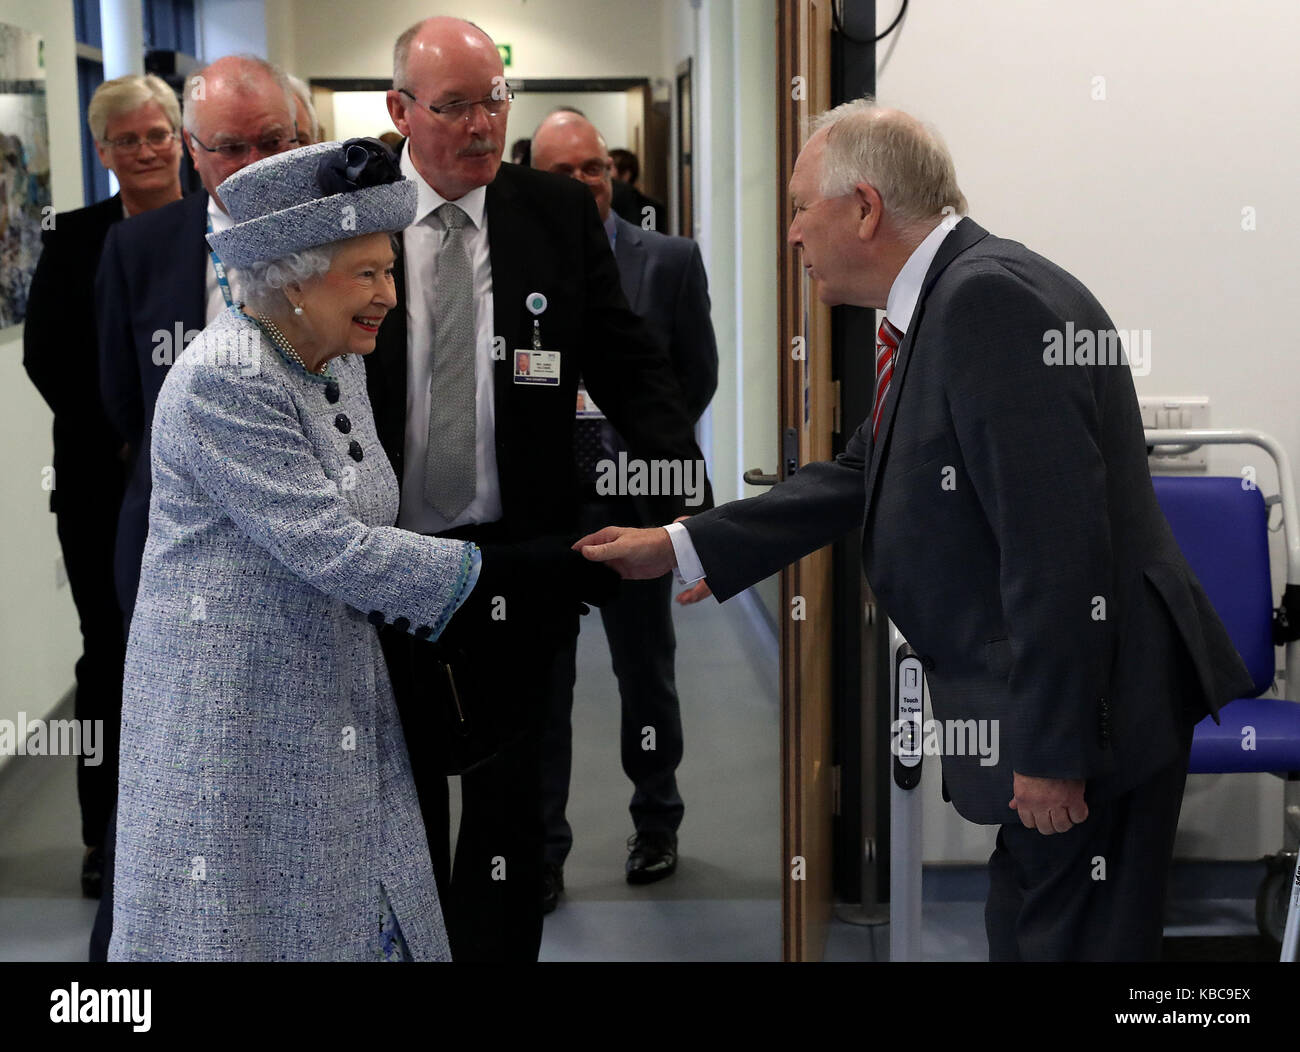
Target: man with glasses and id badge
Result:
[[159, 285], [508, 294]]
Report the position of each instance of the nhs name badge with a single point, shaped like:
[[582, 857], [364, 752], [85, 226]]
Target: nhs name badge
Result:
[[537, 367]]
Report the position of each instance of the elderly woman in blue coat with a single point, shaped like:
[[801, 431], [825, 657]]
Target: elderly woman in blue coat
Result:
[[267, 810]]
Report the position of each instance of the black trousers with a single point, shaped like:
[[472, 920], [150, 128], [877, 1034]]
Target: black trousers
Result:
[[101, 934], [1096, 892], [638, 625], [86, 523], [491, 889]]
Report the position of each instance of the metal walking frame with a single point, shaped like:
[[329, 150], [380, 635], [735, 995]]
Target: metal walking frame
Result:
[[1190, 438], [907, 697]]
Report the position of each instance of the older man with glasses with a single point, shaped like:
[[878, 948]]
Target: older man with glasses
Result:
[[507, 293], [159, 285], [135, 123]]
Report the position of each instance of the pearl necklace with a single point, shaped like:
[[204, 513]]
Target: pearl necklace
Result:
[[283, 343]]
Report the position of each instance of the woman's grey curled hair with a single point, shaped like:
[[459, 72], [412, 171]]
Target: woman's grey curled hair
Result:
[[262, 284], [904, 160]]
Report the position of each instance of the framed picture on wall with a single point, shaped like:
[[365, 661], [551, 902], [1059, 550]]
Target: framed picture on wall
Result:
[[24, 166]]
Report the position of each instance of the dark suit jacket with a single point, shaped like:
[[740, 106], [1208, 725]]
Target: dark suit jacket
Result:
[[60, 355], [629, 203], [1004, 503], [665, 284], [151, 298], [544, 235]]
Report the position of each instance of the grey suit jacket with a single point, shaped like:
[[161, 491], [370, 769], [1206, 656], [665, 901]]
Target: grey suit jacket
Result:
[[1011, 531], [664, 281], [665, 284]]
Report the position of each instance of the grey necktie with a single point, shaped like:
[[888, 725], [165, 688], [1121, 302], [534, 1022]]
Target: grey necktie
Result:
[[449, 474]]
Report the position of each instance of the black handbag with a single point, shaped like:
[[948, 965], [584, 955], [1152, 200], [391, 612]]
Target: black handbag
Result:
[[474, 716], [486, 676]]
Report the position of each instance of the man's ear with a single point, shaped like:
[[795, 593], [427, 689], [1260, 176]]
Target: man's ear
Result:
[[396, 103], [867, 210]]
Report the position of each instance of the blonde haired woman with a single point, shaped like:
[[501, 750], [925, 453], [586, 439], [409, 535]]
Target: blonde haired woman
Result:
[[135, 122]]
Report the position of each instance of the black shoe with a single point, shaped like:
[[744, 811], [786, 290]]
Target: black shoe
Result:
[[92, 872], [652, 856], [552, 886]]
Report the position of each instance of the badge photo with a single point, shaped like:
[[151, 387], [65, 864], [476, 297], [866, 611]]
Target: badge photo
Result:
[[537, 367]]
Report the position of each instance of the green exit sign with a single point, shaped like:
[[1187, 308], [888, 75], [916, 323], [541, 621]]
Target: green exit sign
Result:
[[505, 51]]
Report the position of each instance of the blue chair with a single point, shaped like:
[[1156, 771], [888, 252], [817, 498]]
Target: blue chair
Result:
[[1221, 524]]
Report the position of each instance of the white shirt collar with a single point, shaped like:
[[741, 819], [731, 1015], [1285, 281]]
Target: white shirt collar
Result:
[[428, 199], [906, 289], [221, 221]]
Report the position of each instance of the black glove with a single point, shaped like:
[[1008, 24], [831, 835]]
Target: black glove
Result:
[[543, 584]]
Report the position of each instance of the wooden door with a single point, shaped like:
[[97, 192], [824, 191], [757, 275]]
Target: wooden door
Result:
[[807, 411]]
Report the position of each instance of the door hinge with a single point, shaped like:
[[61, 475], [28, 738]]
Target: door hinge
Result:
[[836, 406]]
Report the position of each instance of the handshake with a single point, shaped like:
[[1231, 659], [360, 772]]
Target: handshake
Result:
[[537, 586], [637, 555]]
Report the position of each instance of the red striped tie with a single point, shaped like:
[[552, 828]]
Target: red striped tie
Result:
[[886, 346]]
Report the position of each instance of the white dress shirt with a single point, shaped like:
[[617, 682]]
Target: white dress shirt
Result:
[[215, 301], [420, 252], [900, 305]]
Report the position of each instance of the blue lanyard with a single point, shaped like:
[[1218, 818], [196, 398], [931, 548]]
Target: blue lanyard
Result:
[[219, 269]]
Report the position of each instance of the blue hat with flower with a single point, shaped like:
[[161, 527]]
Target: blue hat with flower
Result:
[[312, 196]]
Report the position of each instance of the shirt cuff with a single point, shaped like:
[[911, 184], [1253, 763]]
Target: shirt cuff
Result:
[[471, 579], [689, 567]]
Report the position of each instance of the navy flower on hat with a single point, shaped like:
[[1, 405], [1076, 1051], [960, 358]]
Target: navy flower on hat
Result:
[[360, 163]]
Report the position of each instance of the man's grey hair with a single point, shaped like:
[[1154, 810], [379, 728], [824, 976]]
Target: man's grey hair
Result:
[[248, 81], [402, 48], [123, 95], [902, 158], [303, 93]]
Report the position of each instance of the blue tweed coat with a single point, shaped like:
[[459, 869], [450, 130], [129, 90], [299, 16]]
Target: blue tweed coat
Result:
[[265, 790]]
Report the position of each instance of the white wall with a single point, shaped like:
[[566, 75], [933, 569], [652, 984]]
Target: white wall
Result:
[[758, 233], [1140, 195], [233, 27], [733, 47], [550, 38], [607, 110], [39, 637]]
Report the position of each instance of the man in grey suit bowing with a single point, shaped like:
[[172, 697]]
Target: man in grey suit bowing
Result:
[[1010, 529], [664, 281]]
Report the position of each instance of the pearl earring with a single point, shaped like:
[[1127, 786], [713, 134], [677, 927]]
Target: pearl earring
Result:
[[297, 310]]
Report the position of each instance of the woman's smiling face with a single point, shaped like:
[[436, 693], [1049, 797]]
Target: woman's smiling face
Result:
[[345, 305]]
